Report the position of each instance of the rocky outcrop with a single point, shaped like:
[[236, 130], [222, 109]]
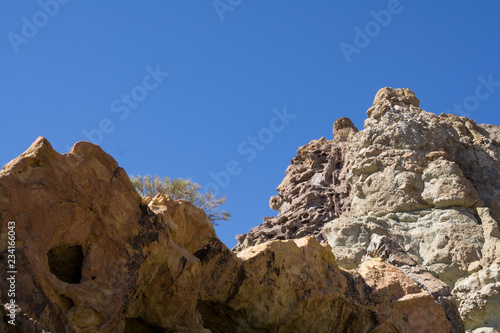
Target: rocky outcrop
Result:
[[92, 256], [429, 183], [314, 191]]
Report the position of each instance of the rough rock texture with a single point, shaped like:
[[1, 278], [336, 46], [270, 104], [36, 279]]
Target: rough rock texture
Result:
[[92, 256], [314, 191], [430, 183], [83, 202], [299, 282], [389, 251], [410, 304]]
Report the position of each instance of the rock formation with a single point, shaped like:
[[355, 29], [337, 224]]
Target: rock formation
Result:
[[314, 191], [430, 184], [92, 256]]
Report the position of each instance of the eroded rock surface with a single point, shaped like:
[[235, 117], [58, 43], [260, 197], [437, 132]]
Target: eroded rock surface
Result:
[[430, 183], [314, 191], [92, 256]]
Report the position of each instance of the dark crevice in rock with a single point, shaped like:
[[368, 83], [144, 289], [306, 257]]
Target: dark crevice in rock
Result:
[[240, 277], [136, 325], [219, 318], [65, 262], [202, 253]]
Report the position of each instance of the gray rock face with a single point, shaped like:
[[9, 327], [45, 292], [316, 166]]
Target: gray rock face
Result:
[[430, 183], [314, 191]]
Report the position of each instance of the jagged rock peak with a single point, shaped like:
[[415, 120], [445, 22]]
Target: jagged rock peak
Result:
[[389, 97], [431, 183], [343, 129], [396, 96], [343, 123]]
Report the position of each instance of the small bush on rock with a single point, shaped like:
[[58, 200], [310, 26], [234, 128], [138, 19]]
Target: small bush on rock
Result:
[[182, 189]]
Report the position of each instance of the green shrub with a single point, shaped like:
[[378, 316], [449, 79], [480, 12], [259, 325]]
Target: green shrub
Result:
[[182, 189]]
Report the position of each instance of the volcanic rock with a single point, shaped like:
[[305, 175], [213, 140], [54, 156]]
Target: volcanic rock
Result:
[[314, 191], [429, 183], [432, 184], [92, 256]]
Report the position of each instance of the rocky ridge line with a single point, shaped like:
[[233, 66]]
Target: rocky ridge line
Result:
[[93, 256]]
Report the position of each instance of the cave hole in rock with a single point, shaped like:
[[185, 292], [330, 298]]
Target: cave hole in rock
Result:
[[136, 325], [65, 262]]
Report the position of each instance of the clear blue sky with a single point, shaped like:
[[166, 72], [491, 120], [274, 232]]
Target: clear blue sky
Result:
[[72, 66]]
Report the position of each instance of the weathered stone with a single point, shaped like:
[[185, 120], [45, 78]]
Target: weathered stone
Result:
[[137, 264], [427, 182], [479, 292], [92, 256], [343, 130], [389, 251], [411, 306], [78, 199], [314, 191], [296, 286], [431, 183], [389, 97]]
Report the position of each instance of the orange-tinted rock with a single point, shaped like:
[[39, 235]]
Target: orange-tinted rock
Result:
[[411, 309], [92, 256]]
